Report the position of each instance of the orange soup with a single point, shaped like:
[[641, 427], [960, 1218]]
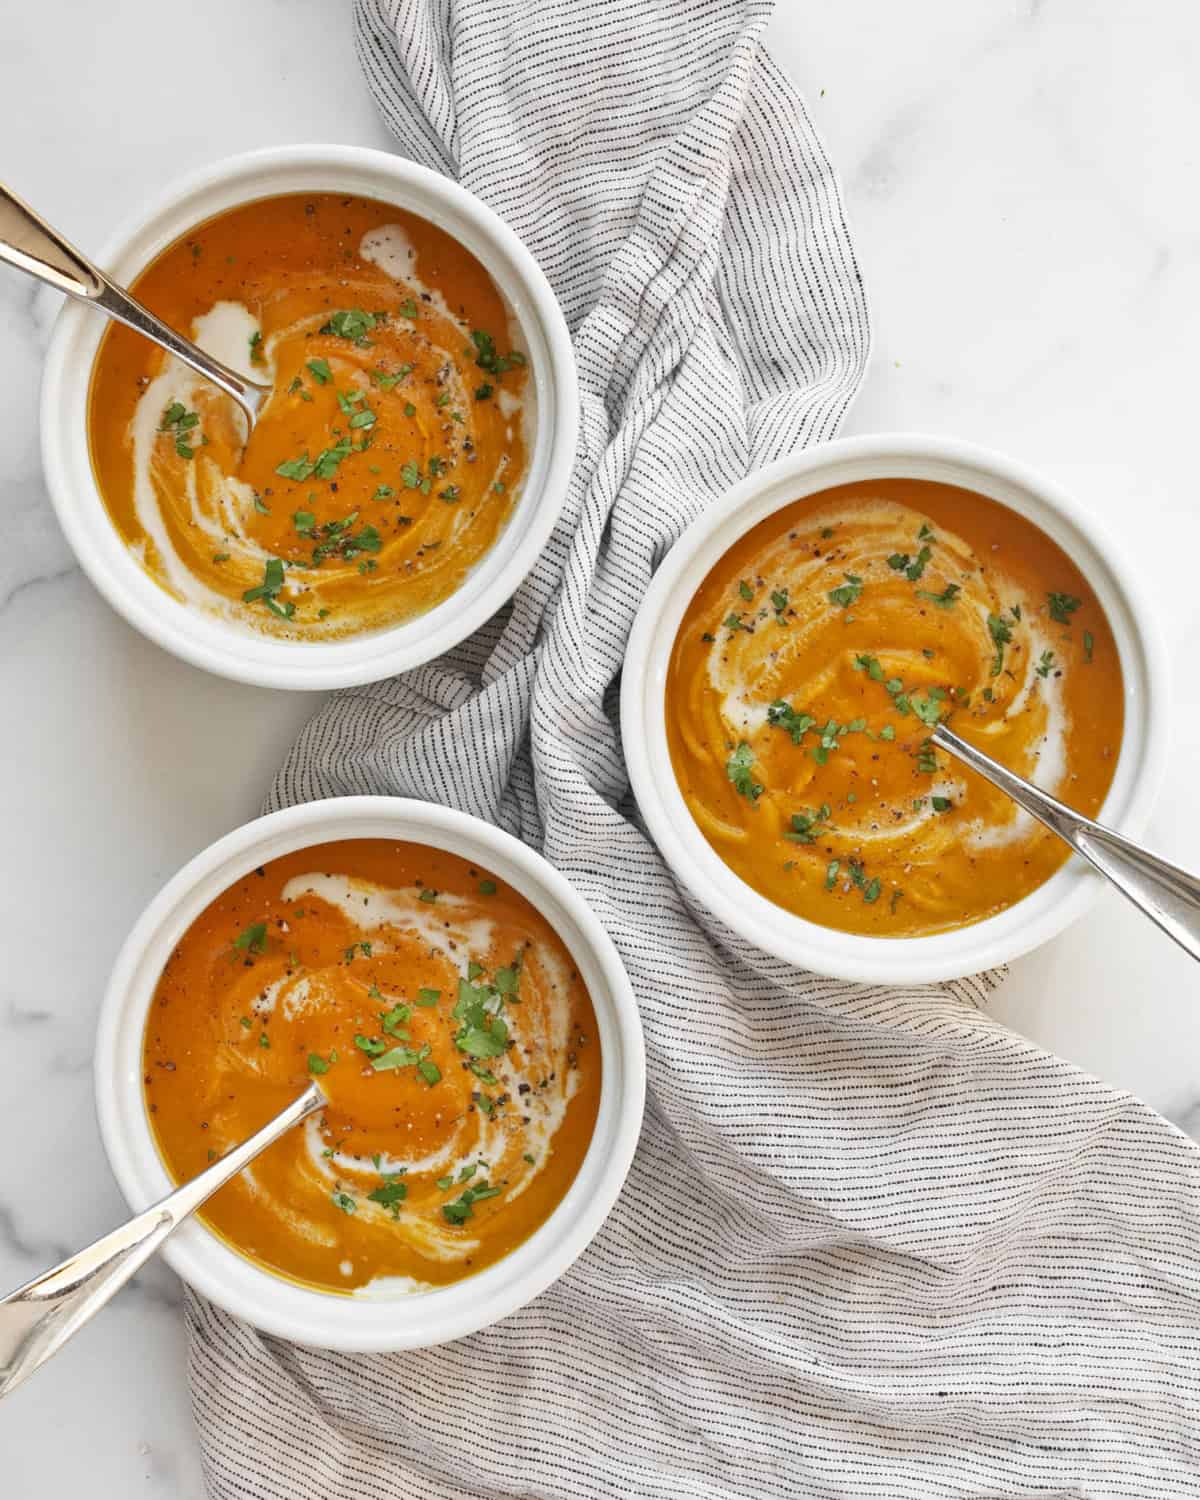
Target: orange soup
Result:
[[389, 455], [447, 1026], [814, 662]]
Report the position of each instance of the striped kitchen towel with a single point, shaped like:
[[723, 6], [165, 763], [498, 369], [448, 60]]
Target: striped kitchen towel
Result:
[[873, 1244]]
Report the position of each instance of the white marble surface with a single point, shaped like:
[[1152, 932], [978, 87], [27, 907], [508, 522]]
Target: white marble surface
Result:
[[1021, 184]]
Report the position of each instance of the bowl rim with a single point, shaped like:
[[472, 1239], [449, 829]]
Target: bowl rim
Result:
[[206, 641], [968, 950], [331, 1320]]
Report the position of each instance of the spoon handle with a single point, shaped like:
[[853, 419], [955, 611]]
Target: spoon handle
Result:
[[38, 1318], [1168, 895], [29, 244]]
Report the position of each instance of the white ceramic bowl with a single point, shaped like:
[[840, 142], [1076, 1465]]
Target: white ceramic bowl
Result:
[[202, 639], [945, 955], [330, 1320]]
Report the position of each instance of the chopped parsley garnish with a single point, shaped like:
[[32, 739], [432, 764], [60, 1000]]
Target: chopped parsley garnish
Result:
[[483, 392], [298, 469], [482, 1031], [1001, 633], [1062, 607], [782, 715], [398, 1057], [488, 359], [848, 593], [1089, 642], [779, 603], [384, 492], [372, 1046], [317, 1063], [337, 540], [734, 621], [326, 465], [345, 1202], [745, 591], [304, 521], [871, 666], [252, 939], [944, 600], [926, 758], [1045, 664], [915, 568], [806, 826], [428, 997], [178, 421], [427, 893], [429, 1071], [739, 767], [941, 804], [928, 708], [320, 371], [269, 588], [487, 887], [391, 1194], [831, 873], [352, 324], [461, 1208]]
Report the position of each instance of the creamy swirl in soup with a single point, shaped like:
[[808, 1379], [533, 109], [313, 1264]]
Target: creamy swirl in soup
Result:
[[815, 660], [448, 1027], [390, 453]]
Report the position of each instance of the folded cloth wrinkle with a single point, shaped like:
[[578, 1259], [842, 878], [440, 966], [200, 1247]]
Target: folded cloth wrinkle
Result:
[[873, 1243]]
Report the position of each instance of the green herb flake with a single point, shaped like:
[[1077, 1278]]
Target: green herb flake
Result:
[[487, 887], [317, 1064], [1062, 607], [345, 1202], [1001, 633], [848, 593], [298, 469], [352, 324], [252, 939], [1089, 642], [781, 715], [739, 767], [427, 997], [945, 600], [390, 1195]]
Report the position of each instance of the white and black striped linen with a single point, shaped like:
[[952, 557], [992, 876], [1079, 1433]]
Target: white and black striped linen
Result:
[[873, 1244]]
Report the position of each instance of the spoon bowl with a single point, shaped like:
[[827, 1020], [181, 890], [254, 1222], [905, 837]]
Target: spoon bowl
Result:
[[1168, 895], [38, 1318], [29, 244]]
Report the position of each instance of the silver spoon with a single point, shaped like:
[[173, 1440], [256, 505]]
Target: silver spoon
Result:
[[38, 1318], [1168, 895], [28, 243]]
